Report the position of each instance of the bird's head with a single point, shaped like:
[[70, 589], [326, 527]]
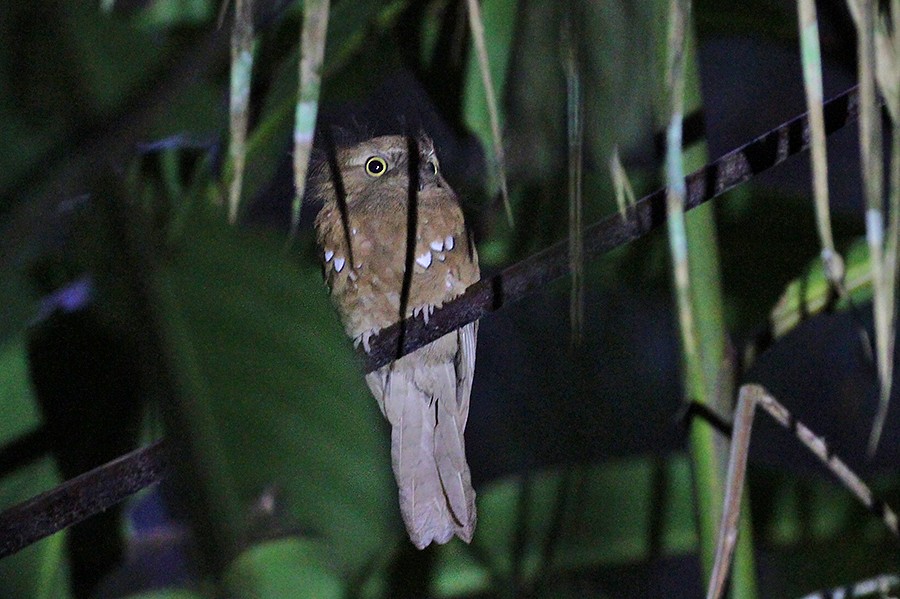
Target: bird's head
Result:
[[391, 166]]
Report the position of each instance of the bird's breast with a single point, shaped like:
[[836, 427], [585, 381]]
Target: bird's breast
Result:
[[366, 260]]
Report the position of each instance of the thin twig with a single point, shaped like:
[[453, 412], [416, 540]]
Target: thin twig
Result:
[[879, 586], [749, 398], [873, 188], [575, 122], [625, 198], [676, 190], [887, 51]]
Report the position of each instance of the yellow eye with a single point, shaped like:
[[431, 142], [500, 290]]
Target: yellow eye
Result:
[[376, 166]]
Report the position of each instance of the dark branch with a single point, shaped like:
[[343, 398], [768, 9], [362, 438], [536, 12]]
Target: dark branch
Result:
[[83, 496], [531, 274], [695, 409]]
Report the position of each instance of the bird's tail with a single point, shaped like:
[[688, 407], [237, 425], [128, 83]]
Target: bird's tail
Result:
[[437, 500]]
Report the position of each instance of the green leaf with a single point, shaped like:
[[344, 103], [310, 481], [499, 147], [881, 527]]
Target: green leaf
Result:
[[498, 18], [174, 13], [809, 294], [287, 391], [281, 569]]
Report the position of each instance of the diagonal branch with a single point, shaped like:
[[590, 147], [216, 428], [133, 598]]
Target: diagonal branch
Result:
[[751, 397], [81, 497], [533, 273]]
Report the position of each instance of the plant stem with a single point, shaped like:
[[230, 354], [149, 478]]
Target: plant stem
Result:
[[693, 243]]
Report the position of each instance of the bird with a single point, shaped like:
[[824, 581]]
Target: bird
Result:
[[374, 193]]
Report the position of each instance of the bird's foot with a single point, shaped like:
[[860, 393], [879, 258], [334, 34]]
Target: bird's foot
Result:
[[426, 310], [364, 339]]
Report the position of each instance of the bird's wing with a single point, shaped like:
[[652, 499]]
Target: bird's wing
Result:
[[465, 371], [377, 382], [450, 456]]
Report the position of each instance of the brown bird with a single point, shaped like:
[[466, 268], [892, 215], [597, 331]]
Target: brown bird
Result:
[[363, 232]]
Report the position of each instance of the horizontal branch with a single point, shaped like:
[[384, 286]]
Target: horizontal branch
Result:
[[81, 497], [533, 273], [107, 485]]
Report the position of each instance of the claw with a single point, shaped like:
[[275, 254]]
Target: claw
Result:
[[365, 339]]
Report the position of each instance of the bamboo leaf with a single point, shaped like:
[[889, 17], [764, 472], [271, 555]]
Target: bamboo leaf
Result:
[[312, 51], [477, 27], [812, 79], [625, 197], [242, 48], [492, 56], [809, 295]]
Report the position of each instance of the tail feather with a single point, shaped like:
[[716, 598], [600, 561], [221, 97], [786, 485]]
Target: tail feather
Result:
[[422, 504], [428, 456], [450, 457]]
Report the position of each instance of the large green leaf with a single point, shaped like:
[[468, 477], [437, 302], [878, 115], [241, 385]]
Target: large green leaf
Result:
[[287, 568], [287, 392]]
